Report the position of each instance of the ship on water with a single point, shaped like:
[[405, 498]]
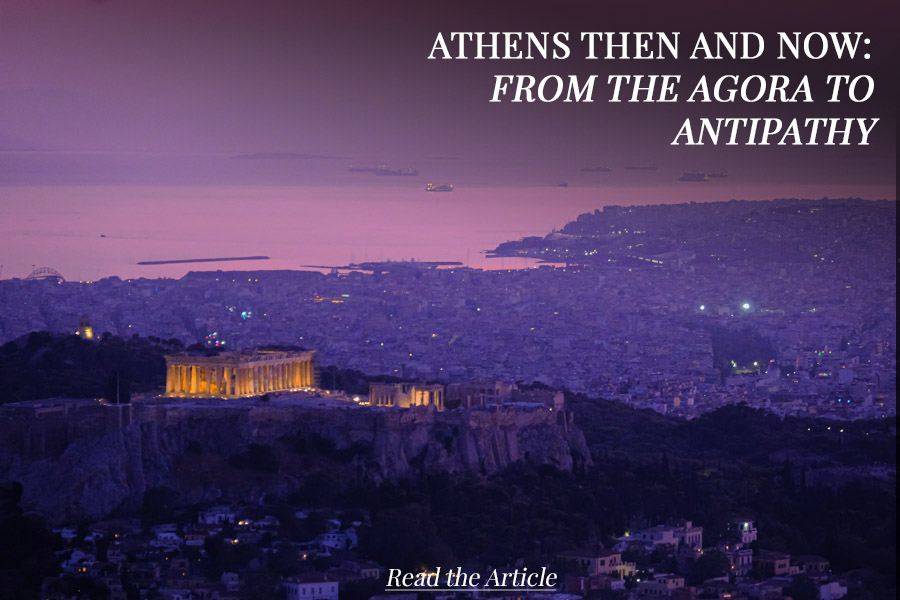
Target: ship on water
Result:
[[385, 172], [595, 169], [562, 184], [438, 188], [693, 176], [720, 175], [640, 167]]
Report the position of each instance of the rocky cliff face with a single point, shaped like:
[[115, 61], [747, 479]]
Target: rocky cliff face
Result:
[[186, 449]]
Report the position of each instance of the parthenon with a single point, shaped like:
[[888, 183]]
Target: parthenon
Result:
[[239, 374]]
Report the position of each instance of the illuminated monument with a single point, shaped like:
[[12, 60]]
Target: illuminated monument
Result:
[[406, 395], [84, 328], [239, 374]]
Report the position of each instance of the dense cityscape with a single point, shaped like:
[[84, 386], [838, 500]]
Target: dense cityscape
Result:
[[220, 552], [177, 438], [448, 300], [785, 305]]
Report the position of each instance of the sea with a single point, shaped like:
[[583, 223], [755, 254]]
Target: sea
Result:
[[103, 226]]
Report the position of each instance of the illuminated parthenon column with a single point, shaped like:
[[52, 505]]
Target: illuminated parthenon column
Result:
[[237, 374]]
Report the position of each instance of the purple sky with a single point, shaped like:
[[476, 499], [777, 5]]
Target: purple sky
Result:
[[119, 120], [97, 84]]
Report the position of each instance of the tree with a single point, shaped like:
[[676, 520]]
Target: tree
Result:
[[711, 565], [26, 548], [158, 503], [361, 590], [802, 588], [81, 587], [262, 586], [285, 562], [257, 457], [118, 388], [405, 536]]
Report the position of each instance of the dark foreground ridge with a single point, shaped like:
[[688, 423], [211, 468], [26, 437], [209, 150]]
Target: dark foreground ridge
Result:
[[441, 488]]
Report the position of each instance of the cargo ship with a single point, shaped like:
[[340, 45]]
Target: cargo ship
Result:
[[693, 176], [382, 171], [562, 184], [595, 169], [438, 188]]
